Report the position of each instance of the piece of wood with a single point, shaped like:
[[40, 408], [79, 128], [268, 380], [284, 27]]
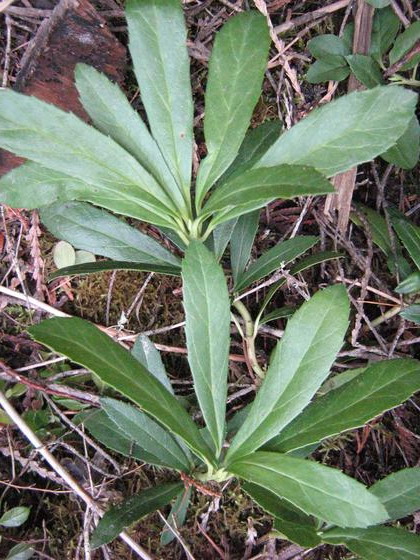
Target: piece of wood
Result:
[[344, 183], [75, 32]]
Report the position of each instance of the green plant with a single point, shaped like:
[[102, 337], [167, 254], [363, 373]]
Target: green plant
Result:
[[265, 445], [16, 517], [117, 164]]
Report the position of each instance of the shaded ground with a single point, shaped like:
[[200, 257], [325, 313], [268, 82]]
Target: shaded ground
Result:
[[231, 528]]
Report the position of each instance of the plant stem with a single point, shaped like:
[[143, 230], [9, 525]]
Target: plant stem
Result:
[[249, 338], [387, 315], [58, 468]]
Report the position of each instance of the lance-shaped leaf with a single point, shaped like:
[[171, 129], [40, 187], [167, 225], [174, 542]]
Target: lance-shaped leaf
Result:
[[221, 237], [290, 521], [113, 115], [256, 142], [257, 187], [176, 517], [276, 257], [146, 353], [376, 543], [242, 241], [101, 266], [399, 492], [158, 47], [384, 30], [408, 233], [300, 363], [86, 345], [123, 515], [62, 142], [146, 433], [380, 387], [351, 130], [95, 230], [315, 489], [236, 71], [207, 327]]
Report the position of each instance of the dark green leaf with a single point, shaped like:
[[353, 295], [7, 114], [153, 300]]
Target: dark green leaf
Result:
[[289, 521], [276, 257], [315, 489], [366, 69], [384, 30], [113, 115], [242, 241], [412, 313], [158, 47], [101, 233], [236, 71], [300, 363], [123, 515], [281, 313], [256, 142], [377, 543], [380, 387], [408, 233], [86, 165], [100, 266], [351, 130], [410, 285], [403, 43], [379, 3], [405, 153], [335, 68], [399, 492], [146, 433], [207, 328], [176, 516], [85, 344], [338, 380], [221, 237], [378, 227], [257, 187], [327, 46]]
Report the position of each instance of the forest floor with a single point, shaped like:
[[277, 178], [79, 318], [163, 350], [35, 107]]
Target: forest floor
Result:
[[230, 527]]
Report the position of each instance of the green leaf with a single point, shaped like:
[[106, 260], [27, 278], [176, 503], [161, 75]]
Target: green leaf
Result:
[[315, 489], [86, 345], [350, 130], [207, 328], [281, 313], [384, 30], [100, 170], [380, 387], [15, 517], [221, 237], [84, 257], [236, 71], [109, 434], [132, 510], [176, 516], [257, 187], [146, 353], [376, 543], [366, 69], [410, 285], [300, 363], [242, 241], [408, 233], [273, 259], [99, 232], [399, 492], [158, 47], [100, 266], [403, 43], [328, 47], [63, 254], [113, 115], [146, 433], [412, 313], [405, 153], [335, 68], [21, 551], [338, 380], [378, 227], [379, 3], [289, 521], [256, 142]]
